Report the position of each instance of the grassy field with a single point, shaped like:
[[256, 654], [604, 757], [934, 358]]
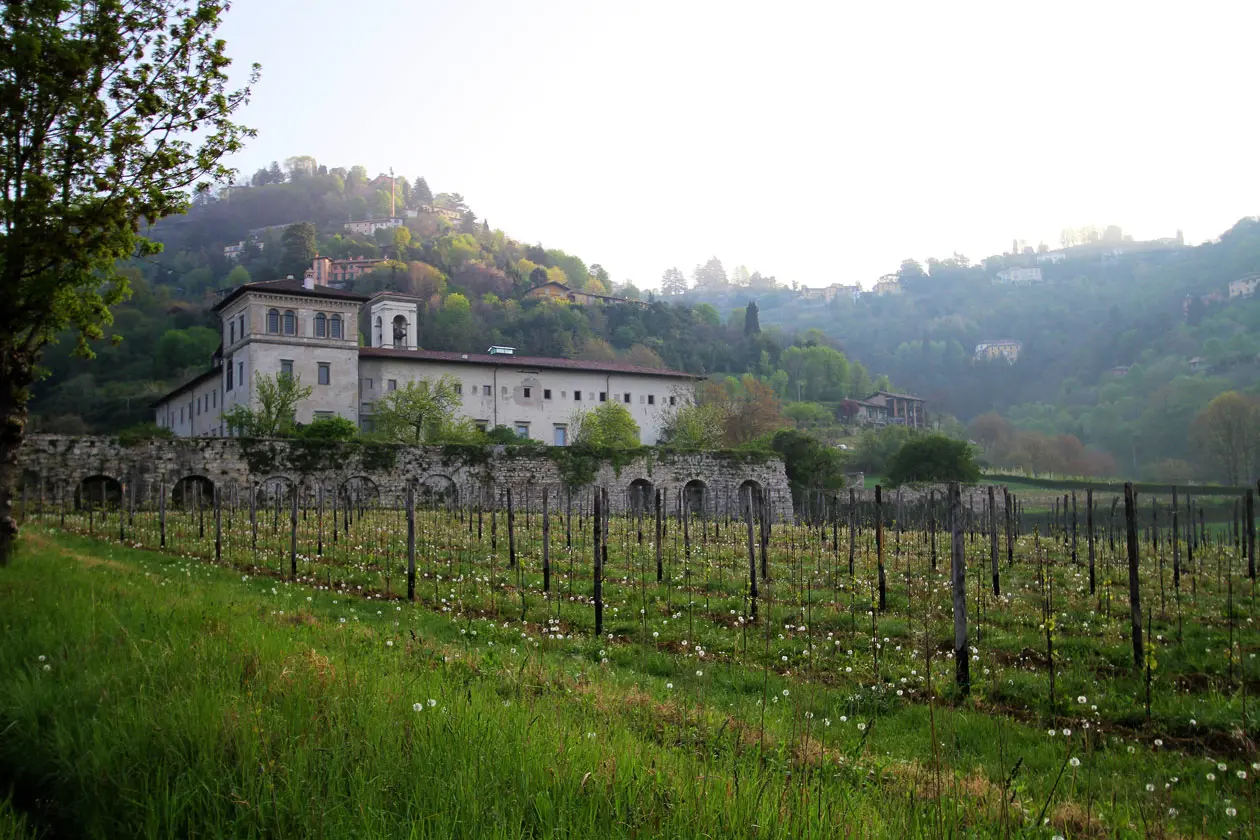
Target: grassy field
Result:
[[156, 695]]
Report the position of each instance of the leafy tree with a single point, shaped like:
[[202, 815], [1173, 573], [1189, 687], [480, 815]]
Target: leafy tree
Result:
[[644, 356], [419, 412], [300, 248], [114, 111], [597, 350], [402, 239], [278, 398], [329, 428], [710, 275], [695, 427], [179, 350], [750, 409], [238, 276], [673, 282], [933, 458], [1229, 430], [300, 166], [810, 464], [607, 426], [752, 324], [420, 193]]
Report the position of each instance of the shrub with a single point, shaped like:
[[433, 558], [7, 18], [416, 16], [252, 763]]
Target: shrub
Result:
[[933, 458]]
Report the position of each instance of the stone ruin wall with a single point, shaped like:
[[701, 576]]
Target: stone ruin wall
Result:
[[54, 468]]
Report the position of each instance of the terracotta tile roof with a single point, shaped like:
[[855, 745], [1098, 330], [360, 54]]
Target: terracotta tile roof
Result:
[[519, 362], [289, 287]]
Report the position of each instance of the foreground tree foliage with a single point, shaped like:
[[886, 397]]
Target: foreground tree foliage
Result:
[[609, 426], [112, 111], [933, 458], [423, 412], [278, 398]]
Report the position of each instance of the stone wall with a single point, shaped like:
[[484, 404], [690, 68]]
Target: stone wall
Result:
[[56, 467]]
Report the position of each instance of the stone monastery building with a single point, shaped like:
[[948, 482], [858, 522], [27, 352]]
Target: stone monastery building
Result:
[[312, 332]]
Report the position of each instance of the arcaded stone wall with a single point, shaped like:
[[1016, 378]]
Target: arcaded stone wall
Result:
[[55, 467]]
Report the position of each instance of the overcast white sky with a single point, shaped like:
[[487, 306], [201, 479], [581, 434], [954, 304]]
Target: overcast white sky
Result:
[[818, 142]]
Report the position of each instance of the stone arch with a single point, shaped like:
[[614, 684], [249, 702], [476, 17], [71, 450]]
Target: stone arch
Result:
[[192, 491], [640, 496], [360, 491], [98, 491], [437, 489], [750, 489], [695, 494]]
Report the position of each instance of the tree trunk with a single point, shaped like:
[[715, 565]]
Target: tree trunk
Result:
[[958, 572], [12, 434]]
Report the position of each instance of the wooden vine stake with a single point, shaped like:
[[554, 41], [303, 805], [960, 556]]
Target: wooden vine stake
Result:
[[993, 543], [598, 534], [293, 523], [958, 570], [752, 556], [879, 545], [546, 542], [1135, 594], [411, 542]]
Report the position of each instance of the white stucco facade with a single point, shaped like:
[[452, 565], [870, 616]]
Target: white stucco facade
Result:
[[283, 327]]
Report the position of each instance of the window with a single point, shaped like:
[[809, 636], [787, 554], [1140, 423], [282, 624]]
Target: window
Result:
[[240, 373], [290, 322], [651, 399], [391, 385], [482, 425], [365, 408], [627, 398], [232, 333], [546, 393], [459, 389], [273, 321], [334, 324], [366, 385], [522, 430], [324, 415], [325, 373], [671, 400], [198, 405], [230, 371], [241, 321], [525, 391], [380, 334], [286, 367], [486, 392], [181, 414], [321, 325], [603, 396], [561, 435], [214, 399], [577, 396]]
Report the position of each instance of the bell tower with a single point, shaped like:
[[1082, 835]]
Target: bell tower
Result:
[[392, 321]]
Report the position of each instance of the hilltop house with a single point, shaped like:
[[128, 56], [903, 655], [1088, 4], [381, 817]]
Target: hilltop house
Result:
[[889, 284], [310, 332], [325, 271], [369, 227], [1005, 348], [1244, 286], [552, 290], [1018, 276], [830, 293], [902, 409]]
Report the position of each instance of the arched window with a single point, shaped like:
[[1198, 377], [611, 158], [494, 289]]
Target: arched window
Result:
[[290, 322], [273, 320], [400, 331], [380, 334], [321, 325], [335, 323]]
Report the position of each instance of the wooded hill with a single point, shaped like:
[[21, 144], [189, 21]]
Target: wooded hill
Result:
[[1119, 351], [472, 279]]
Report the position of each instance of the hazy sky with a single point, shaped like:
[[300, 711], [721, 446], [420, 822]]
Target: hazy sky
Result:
[[817, 142]]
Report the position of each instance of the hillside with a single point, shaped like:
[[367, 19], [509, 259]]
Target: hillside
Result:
[[473, 280], [1120, 351]]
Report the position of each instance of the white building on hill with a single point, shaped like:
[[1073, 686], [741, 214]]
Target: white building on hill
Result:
[[1019, 276], [312, 332]]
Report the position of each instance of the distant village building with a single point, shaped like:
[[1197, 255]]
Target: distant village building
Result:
[[336, 274], [830, 293], [1118, 371], [434, 210], [558, 291], [368, 227], [901, 409], [1244, 286], [1207, 300], [1008, 349], [1052, 256], [309, 332], [1017, 276], [233, 251], [889, 284], [1198, 363]]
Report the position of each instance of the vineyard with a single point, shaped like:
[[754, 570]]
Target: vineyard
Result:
[[1085, 671]]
